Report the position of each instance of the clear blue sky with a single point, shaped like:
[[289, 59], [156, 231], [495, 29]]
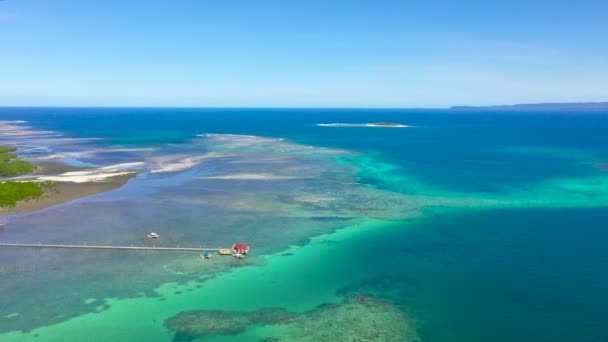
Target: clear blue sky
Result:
[[302, 53]]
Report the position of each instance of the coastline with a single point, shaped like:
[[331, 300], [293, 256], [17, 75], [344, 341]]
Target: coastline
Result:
[[68, 183], [63, 192]]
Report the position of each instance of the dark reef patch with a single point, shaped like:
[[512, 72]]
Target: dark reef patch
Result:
[[357, 318]]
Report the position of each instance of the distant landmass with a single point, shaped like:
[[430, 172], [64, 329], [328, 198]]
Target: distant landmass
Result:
[[540, 106]]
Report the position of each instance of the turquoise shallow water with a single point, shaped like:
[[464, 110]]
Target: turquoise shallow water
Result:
[[465, 227]]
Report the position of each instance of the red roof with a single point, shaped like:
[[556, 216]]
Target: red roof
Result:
[[240, 246]]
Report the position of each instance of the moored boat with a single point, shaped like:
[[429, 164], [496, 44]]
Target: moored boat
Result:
[[206, 255]]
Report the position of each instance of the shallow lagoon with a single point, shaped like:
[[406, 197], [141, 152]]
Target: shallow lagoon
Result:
[[456, 259]]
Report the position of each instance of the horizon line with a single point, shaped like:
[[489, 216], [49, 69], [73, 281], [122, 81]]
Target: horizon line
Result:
[[305, 107]]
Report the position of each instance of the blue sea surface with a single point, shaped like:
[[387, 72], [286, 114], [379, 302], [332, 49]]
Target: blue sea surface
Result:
[[458, 149], [513, 273]]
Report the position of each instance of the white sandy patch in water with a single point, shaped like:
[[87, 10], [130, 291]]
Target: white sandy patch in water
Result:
[[170, 163], [180, 165], [250, 143], [252, 176], [338, 124]]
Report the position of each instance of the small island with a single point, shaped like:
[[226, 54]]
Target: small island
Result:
[[375, 124], [387, 124]]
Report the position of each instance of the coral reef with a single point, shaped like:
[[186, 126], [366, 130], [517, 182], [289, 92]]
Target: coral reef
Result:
[[357, 318]]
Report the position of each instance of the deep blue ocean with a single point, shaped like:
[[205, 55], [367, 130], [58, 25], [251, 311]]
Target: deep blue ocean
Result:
[[519, 273], [457, 149]]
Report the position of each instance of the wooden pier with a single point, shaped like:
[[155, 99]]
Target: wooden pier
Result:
[[132, 248]]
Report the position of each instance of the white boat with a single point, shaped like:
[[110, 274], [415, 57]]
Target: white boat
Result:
[[153, 235], [238, 255]]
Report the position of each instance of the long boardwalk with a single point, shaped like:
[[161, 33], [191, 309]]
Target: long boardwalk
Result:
[[133, 248]]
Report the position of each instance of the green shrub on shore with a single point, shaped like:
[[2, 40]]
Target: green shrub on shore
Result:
[[4, 149], [6, 153], [6, 156], [13, 168], [13, 192]]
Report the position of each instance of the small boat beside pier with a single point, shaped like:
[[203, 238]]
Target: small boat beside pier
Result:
[[153, 235], [206, 255]]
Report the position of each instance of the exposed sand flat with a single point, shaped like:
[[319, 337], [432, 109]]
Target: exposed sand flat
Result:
[[252, 176], [94, 175], [131, 165], [82, 176]]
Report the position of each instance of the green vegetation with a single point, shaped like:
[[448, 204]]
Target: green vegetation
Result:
[[13, 192], [10, 168], [16, 168], [5, 153], [4, 149]]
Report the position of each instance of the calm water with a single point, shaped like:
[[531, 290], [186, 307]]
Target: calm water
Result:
[[496, 222]]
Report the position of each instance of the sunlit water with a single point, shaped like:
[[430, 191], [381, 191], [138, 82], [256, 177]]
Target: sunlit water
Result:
[[459, 227]]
